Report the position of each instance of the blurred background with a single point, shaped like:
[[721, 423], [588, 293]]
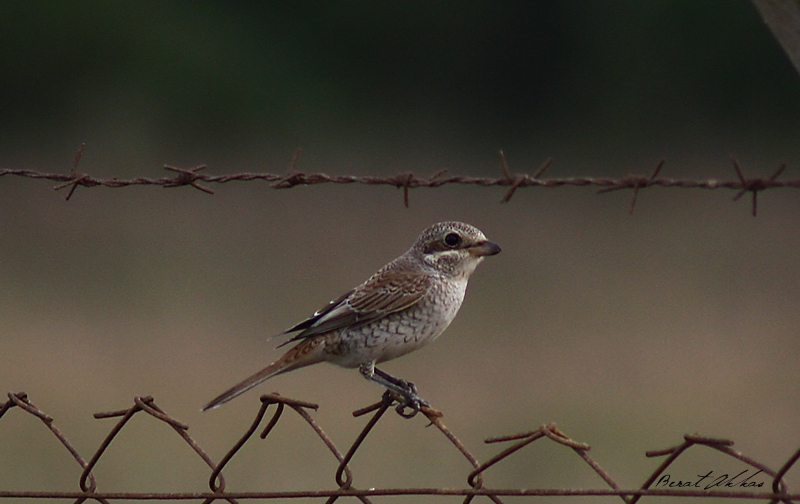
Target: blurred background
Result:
[[627, 331]]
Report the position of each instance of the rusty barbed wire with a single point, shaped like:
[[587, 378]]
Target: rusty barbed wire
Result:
[[196, 178], [343, 475]]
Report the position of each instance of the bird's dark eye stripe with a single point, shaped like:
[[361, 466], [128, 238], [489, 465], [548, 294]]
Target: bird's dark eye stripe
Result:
[[450, 241]]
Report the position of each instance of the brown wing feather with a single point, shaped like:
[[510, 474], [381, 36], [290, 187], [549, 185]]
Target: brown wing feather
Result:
[[388, 291]]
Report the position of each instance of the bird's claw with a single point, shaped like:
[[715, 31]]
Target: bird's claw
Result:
[[409, 387], [408, 399]]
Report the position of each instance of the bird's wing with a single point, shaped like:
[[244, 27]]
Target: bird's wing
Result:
[[388, 291]]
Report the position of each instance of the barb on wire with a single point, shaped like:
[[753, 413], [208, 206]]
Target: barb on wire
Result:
[[75, 177], [635, 183], [517, 180], [195, 177], [187, 177], [754, 185], [290, 179]]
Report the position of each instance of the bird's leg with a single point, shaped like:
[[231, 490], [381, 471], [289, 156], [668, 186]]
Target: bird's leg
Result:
[[404, 384], [405, 389]]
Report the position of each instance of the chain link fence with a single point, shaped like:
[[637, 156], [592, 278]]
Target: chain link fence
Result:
[[758, 483]]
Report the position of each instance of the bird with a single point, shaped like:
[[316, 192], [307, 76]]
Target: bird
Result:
[[402, 307]]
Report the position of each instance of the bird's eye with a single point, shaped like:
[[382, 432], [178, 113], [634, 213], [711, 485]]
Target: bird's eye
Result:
[[452, 240]]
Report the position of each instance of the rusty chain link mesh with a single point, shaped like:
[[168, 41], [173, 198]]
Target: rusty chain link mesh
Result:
[[476, 486]]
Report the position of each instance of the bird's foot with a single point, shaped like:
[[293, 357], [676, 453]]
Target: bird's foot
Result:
[[406, 399], [397, 389], [407, 386]]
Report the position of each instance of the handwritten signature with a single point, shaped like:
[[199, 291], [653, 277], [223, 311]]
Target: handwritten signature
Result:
[[709, 480]]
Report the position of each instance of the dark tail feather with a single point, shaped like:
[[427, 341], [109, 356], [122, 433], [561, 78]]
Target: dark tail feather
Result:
[[304, 354], [240, 388]]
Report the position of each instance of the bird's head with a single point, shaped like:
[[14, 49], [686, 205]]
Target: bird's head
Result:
[[453, 248]]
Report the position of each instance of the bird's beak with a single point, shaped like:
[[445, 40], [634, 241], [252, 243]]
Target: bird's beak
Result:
[[485, 248]]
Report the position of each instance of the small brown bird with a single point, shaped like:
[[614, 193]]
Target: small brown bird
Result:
[[402, 307]]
